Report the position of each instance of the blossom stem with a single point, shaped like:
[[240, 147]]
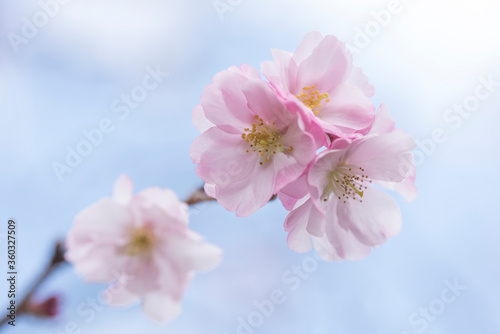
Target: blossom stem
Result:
[[56, 260], [199, 196]]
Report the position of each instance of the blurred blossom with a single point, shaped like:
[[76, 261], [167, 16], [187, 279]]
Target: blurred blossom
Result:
[[146, 238]]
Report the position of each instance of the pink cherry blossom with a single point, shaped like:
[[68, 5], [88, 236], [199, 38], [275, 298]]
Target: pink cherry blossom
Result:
[[319, 75], [335, 206], [144, 237], [252, 145]]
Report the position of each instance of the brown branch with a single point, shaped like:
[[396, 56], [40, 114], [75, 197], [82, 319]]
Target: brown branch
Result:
[[56, 260], [199, 196]]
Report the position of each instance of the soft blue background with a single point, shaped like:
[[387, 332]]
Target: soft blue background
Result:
[[430, 57]]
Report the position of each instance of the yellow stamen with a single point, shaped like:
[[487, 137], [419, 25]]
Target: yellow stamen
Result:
[[312, 98], [142, 241]]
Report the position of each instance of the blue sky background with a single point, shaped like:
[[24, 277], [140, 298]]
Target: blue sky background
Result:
[[429, 57]]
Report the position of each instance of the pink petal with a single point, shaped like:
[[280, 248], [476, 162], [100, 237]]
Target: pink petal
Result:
[[117, 295], [122, 191], [383, 123], [374, 220], [307, 46], [199, 119], [343, 242], [224, 103], [299, 240], [262, 101], [281, 72], [384, 158], [293, 192], [189, 254], [325, 163], [349, 248], [246, 196], [164, 199], [326, 68], [222, 157], [210, 189], [348, 108], [360, 80], [161, 308]]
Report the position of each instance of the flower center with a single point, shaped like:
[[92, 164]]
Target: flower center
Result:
[[312, 98], [141, 242], [264, 139], [346, 182]]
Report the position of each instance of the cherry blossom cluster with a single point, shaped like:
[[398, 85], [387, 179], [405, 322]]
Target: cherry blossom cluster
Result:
[[311, 135]]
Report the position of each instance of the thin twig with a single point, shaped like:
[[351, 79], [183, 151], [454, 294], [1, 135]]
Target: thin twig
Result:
[[56, 260], [199, 196]]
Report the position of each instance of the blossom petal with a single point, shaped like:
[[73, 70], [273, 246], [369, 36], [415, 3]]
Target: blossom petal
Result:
[[345, 245], [348, 108], [293, 192], [326, 68], [224, 103], [164, 199], [306, 47], [360, 80], [262, 101], [383, 123], [191, 254], [222, 157], [385, 158], [246, 196], [299, 240], [119, 296], [200, 121], [122, 191], [318, 174], [373, 220], [161, 308]]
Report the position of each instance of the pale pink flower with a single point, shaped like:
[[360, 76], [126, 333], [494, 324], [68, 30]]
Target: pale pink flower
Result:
[[319, 75], [335, 205], [144, 237], [252, 145]]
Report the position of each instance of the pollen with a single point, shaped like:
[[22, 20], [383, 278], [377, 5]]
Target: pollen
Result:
[[264, 139], [313, 99], [346, 182], [141, 242]]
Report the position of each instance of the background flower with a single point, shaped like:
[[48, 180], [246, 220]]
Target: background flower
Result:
[[145, 238]]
